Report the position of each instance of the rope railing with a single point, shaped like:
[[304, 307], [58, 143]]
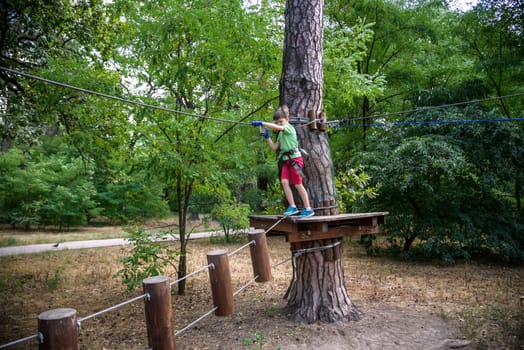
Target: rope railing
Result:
[[37, 337], [299, 252], [101, 312], [281, 262], [177, 333], [245, 286], [58, 328], [203, 268], [157, 295], [196, 321], [239, 249]]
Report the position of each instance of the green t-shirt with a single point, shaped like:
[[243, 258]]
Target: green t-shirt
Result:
[[288, 141]]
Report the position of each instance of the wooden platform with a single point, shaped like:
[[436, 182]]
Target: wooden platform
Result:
[[321, 227]]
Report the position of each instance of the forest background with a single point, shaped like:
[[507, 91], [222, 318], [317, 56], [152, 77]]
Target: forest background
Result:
[[122, 111]]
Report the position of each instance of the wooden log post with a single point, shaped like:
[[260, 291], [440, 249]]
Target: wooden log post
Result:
[[312, 119], [159, 313], [260, 256], [220, 279], [58, 329]]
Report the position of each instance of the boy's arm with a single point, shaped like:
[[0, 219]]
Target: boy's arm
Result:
[[273, 145], [272, 126]]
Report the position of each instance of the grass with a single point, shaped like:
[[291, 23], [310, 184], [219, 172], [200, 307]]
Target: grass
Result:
[[10, 237], [481, 301]]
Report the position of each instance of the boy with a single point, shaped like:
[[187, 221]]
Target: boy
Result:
[[289, 158]]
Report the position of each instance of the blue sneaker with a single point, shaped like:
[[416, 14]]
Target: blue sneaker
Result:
[[291, 210], [306, 213]]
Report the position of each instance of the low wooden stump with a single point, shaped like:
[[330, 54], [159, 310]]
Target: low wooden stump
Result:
[[58, 329]]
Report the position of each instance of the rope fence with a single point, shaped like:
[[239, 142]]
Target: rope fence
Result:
[[210, 266], [101, 312], [37, 337], [58, 328]]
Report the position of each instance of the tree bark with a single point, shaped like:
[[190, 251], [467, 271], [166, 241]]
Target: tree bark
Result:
[[317, 291]]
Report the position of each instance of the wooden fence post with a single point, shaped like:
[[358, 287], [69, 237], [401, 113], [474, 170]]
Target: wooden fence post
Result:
[[159, 313], [220, 278], [58, 329], [260, 256]]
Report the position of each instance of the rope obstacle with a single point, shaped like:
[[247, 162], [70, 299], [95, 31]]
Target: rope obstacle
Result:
[[48, 319], [58, 328], [334, 124]]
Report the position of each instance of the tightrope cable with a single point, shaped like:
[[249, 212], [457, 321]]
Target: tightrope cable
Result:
[[116, 98], [294, 120], [429, 122], [427, 108]]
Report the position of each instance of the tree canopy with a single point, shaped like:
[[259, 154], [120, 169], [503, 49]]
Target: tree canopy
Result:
[[424, 106]]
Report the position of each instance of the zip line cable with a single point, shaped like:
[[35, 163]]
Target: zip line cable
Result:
[[121, 99], [429, 122], [330, 123], [428, 108]]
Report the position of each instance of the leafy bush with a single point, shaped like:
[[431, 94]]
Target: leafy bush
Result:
[[232, 217], [149, 257], [45, 190], [132, 200], [352, 188]]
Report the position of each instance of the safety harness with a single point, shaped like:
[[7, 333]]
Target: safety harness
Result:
[[281, 161]]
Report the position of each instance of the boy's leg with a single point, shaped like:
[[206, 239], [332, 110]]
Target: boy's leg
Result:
[[287, 192], [303, 195], [307, 211], [292, 209]]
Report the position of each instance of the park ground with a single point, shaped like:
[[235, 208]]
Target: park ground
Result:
[[405, 304]]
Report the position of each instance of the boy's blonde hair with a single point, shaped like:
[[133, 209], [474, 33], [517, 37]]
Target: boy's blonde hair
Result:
[[281, 112]]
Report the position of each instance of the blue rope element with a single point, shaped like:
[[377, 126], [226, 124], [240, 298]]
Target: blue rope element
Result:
[[456, 121]]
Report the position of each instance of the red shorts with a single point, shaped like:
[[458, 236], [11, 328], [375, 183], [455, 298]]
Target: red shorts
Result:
[[289, 172]]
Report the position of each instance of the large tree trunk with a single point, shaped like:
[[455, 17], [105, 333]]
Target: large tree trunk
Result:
[[317, 291]]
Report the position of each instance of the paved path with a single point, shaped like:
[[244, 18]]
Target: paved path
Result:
[[39, 248]]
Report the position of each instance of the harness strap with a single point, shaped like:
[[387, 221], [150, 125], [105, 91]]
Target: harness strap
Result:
[[295, 165]]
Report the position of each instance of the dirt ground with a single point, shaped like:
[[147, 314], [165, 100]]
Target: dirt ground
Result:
[[405, 305]]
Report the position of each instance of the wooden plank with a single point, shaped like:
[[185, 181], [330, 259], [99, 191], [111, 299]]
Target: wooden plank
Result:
[[335, 232], [324, 218], [321, 227], [339, 217], [283, 226]]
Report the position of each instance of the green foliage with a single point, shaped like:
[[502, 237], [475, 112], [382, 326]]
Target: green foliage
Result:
[[256, 342], [53, 282], [344, 49], [149, 257], [133, 199], [35, 33], [352, 187], [450, 188], [45, 189], [231, 217]]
